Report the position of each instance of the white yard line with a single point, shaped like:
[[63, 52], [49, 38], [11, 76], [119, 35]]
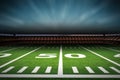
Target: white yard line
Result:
[[115, 69], [75, 70], [8, 50], [56, 76], [48, 70], [18, 58], [112, 49], [60, 65], [8, 69], [102, 56], [35, 70], [103, 70], [60, 70], [89, 69], [22, 69]]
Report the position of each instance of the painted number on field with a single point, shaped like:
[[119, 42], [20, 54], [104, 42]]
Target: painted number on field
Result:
[[5, 55], [75, 55], [117, 56], [46, 55], [72, 55]]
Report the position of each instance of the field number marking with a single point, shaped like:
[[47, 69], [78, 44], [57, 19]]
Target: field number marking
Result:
[[18, 58], [76, 55], [5, 55], [46, 55], [117, 56], [53, 55]]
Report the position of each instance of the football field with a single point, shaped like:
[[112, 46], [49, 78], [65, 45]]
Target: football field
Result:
[[60, 61]]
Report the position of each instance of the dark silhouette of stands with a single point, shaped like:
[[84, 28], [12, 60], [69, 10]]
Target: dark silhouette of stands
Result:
[[59, 39]]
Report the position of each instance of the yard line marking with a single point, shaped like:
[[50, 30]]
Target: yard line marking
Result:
[[115, 69], [103, 70], [22, 69], [75, 70], [35, 70], [48, 70], [8, 50], [60, 65], [18, 58], [102, 56], [112, 49], [56, 76], [8, 69], [89, 70]]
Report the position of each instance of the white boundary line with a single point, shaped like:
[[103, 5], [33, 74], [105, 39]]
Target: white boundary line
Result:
[[102, 56], [57, 76], [18, 58], [60, 65]]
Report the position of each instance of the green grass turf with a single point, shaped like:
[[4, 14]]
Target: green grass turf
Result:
[[32, 62], [5, 48], [107, 52], [15, 53], [91, 60]]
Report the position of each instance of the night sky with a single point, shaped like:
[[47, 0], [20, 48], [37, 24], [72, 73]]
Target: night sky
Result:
[[59, 16]]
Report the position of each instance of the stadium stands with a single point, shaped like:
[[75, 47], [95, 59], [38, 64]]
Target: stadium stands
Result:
[[59, 39]]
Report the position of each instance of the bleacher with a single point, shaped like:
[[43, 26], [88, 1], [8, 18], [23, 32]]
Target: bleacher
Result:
[[59, 39]]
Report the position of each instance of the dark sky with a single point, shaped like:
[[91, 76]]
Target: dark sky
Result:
[[59, 16]]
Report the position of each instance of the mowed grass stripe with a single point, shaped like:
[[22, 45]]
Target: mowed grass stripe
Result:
[[18, 58]]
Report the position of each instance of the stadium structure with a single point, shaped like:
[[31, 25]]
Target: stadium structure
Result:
[[59, 39], [61, 56]]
